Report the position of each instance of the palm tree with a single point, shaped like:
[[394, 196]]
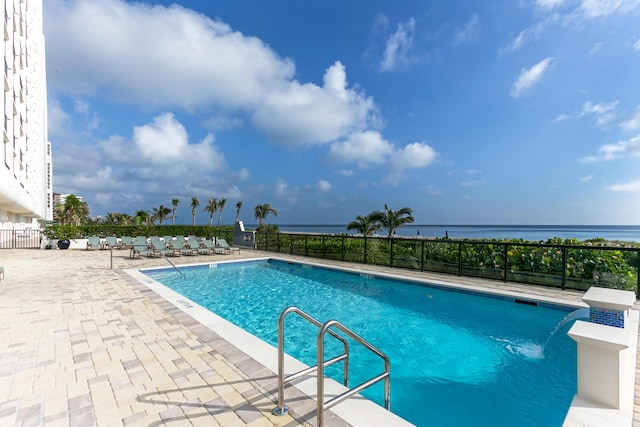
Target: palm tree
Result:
[[221, 204], [261, 212], [211, 207], [74, 211], [194, 205], [174, 202], [161, 213], [238, 207], [142, 217], [117, 218], [392, 220], [365, 225]]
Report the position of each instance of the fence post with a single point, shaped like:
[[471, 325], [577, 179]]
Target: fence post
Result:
[[290, 244], [306, 245], [364, 258], [422, 257], [459, 258], [506, 261], [323, 246], [342, 248], [564, 266], [391, 252]]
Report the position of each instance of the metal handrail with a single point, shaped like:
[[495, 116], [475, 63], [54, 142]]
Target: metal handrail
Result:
[[325, 328]]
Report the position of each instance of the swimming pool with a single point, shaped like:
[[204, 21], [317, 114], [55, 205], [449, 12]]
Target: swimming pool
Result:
[[456, 358]]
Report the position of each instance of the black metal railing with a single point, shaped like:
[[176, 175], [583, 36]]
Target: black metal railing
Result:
[[548, 264], [20, 239]]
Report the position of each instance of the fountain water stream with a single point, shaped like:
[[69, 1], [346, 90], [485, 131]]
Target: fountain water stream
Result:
[[580, 313]]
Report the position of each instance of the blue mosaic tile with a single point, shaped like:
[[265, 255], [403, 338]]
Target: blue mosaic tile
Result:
[[604, 316]]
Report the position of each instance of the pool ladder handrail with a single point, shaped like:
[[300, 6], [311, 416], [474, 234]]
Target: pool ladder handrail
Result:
[[325, 328]]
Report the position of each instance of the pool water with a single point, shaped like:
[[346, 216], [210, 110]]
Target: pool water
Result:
[[457, 358]]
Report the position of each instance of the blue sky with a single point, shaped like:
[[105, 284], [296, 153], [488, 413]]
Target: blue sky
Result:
[[493, 112]]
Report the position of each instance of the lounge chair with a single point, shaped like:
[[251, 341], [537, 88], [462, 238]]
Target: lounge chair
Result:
[[142, 249], [140, 240], [112, 242], [210, 244], [94, 242], [192, 242], [223, 244], [179, 245], [126, 242], [161, 247]]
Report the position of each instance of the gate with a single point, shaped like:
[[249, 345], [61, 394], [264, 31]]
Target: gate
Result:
[[20, 239]]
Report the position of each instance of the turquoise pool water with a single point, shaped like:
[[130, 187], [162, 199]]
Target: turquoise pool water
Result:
[[457, 358]]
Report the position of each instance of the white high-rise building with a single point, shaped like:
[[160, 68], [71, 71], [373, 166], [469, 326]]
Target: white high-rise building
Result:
[[26, 198]]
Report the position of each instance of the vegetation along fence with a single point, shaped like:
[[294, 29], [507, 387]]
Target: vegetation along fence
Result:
[[564, 264]]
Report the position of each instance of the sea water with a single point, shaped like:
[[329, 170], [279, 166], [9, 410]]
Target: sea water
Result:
[[625, 233]]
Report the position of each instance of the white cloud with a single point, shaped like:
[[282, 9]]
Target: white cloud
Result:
[[416, 155], [636, 45], [57, 118], [586, 178], [591, 9], [114, 55], [470, 32], [284, 192], [634, 121], [471, 183], [346, 172], [622, 149], [397, 52], [364, 148], [137, 53], [531, 77], [562, 117], [550, 4], [303, 114], [530, 34], [629, 187], [324, 185]]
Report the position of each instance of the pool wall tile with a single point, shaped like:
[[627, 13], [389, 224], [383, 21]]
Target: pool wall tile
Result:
[[606, 316]]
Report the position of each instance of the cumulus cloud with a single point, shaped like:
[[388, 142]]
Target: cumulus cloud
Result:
[[636, 46], [619, 150], [364, 148], [530, 77], [629, 187], [172, 57], [586, 178], [309, 114], [416, 155], [114, 54], [398, 47]]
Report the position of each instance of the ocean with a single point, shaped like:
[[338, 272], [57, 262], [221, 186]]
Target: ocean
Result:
[[626, 233]]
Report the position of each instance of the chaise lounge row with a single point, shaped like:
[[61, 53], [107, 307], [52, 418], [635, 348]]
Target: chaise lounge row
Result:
[[167, 246]]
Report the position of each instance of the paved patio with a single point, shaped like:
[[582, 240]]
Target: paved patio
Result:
[[83, 344]]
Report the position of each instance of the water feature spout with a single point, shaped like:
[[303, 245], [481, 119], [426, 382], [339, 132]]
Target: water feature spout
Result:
[[581, 313]]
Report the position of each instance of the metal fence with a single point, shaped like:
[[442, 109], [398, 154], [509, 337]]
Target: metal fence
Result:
[[564, 266], [20, 239]]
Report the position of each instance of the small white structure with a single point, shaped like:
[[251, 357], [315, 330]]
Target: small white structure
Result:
[[607, 347]]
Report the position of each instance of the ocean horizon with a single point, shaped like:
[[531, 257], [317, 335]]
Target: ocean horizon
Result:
[[626, 233]]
